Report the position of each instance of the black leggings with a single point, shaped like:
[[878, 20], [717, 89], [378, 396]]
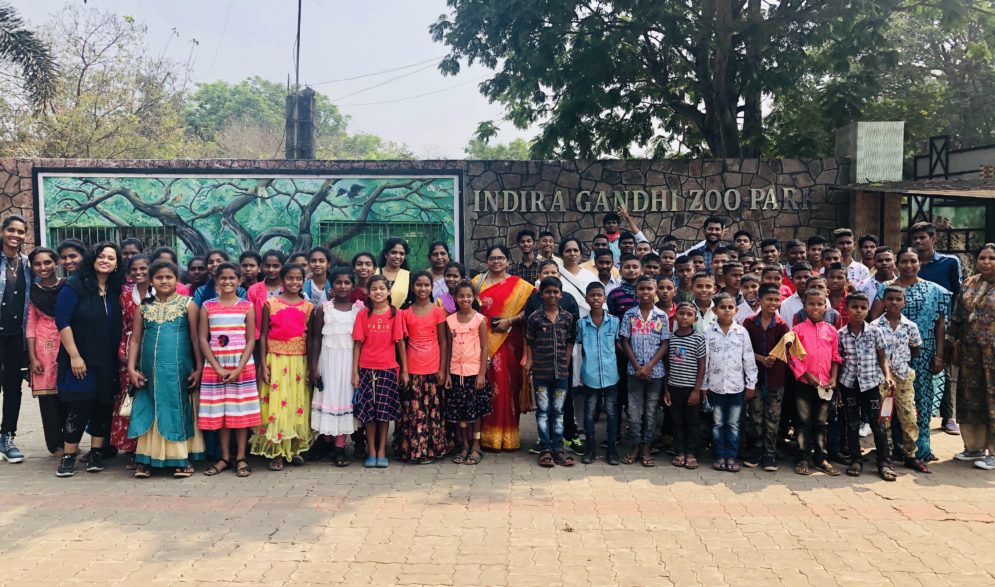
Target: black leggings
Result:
[[83, 412], [52, 421], [11, 361]]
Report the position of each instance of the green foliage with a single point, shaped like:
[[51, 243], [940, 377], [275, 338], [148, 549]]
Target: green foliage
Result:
[[604, 78], [938, 77], [516, 150], [25, 50]]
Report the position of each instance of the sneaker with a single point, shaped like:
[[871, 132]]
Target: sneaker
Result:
[[865, 430], [67, 466], [751, 461], [576, 446], [9, 452], [770, 464], [987, 463], [535, 448], [951, 428], [970, 455], [604, 443], [96, 462]]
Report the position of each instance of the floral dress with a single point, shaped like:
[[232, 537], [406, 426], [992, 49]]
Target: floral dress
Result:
[[973, 325], [285, 400]]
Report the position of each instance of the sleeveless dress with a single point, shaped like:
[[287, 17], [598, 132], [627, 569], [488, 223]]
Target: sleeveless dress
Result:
[[331, 407], [464, 402], [163, 413], [284, 430], [234, 404]]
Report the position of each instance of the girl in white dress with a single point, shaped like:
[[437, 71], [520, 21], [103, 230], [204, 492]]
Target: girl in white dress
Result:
[[331, 404]]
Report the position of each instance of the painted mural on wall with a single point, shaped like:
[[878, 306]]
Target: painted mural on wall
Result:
[[205, 211]]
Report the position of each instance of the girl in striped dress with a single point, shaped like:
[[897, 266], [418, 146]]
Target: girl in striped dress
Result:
[[229, 399]]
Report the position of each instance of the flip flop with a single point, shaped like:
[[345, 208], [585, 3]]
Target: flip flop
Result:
[[473, 460]]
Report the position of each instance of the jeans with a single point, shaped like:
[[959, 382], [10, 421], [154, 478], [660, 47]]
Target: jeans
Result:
[[726, 411], [867, 403], [813, 413], [686, 421], [550, 397], [12, 356], [591, 395], [644, 402], [764, 420], [835, 429]]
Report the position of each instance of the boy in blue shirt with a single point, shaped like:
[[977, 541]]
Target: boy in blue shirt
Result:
[[597, 335]]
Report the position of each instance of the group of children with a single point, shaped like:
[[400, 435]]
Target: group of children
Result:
[[303, 357], [725, 350]]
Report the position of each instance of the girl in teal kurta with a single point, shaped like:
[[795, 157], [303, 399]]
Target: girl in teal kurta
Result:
[[164, 365]]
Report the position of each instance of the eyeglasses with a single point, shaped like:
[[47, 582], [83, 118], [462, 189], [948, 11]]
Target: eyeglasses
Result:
[[496, 259]]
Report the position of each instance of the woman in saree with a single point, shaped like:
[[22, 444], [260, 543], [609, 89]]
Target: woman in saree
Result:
[[502, 301], [972, 329]]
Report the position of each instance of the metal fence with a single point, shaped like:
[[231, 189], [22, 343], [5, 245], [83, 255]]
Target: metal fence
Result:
[[373, 234], [152, 237]]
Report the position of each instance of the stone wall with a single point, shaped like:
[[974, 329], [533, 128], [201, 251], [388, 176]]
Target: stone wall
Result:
[[563, 196]]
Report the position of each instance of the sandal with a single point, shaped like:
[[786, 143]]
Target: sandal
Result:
[[184, 472], [242, 470], [131, 464], [732, 466], [546, 459], [297, 461], [341, 459], [827, 468], [719, 465], [473, 460], [142, 471], [887, 473], [802, 469], [855, 469], [691, 462], [214, 470], [276, 464], [917, 465], [679, 461], [629, 458], [460, 457], [648, 461], [562, 459]]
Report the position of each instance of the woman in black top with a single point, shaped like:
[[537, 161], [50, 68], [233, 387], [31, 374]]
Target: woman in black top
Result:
[[88, 316]]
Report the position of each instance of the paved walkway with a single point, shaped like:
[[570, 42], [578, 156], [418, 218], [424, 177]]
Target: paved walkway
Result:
[[505, 521]]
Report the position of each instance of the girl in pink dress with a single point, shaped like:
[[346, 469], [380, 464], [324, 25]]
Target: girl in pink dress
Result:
[[420, 436], [43, 344]]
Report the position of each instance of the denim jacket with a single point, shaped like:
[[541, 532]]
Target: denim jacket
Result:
[[28, 280]]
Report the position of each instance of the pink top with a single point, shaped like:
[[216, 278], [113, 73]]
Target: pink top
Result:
[[183, 290], [288, 326], [466, 345], [821, 344], [424, 354], [378, 333], [257, 294], [42, 329]]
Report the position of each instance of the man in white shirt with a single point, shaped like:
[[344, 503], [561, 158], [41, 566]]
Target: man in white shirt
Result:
[[792, 304], [856, 272], [884, 265]]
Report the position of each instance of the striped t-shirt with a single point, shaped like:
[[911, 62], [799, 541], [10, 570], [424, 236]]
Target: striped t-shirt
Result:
[[683, 355]]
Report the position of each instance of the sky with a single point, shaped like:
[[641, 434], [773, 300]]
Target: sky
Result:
[[339, 39]]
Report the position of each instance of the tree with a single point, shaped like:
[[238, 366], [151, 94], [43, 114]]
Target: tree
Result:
[[254, 109], [516, 150], [940, 77], [601, 78], [115, 99], [24, 50]]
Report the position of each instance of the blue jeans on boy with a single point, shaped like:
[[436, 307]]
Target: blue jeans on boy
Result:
[[550, 397], [591, 414], [727, 408], [644, 403]]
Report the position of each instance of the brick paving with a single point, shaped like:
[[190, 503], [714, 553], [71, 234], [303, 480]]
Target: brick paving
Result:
[[506, 521]]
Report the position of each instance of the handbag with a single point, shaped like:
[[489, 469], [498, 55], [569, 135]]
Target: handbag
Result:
[[126, 403]]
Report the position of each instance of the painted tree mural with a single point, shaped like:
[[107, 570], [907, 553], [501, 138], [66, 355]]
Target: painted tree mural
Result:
[[239, 213]]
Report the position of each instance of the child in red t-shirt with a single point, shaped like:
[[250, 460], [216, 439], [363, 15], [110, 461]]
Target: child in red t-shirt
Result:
[[379, 336]]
